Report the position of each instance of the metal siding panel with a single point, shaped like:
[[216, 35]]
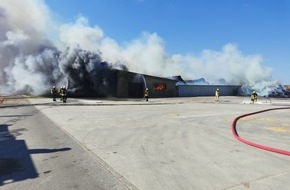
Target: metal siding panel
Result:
[[205, 90]]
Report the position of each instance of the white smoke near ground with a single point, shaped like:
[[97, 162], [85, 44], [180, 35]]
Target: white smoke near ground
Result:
[[36, 52]]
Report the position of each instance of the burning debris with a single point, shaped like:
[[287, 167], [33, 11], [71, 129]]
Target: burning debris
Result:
[[276, 90]]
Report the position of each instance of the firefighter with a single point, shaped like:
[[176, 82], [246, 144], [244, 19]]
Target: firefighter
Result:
[[53, 92], [146, 94], [217, 94], [254, 97], [63, 94], [60, 92]]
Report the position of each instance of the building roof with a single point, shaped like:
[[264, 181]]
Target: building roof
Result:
[[166, 78]]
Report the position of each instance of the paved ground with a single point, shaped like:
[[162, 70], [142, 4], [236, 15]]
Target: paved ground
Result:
[[180, 143], [36, 154]]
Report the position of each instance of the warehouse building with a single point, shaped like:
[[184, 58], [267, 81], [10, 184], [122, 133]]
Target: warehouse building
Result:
[[133, 85], [122, 84], [125, 84]]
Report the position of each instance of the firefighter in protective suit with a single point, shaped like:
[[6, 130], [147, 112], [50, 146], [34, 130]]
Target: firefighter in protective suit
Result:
[[63, 94], [146, 94], [254, 97], [217, 94], [53, 92]]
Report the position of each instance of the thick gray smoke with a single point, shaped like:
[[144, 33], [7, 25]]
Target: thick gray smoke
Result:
[[26, 66], [87, 73], [37, 52], [31, 63]]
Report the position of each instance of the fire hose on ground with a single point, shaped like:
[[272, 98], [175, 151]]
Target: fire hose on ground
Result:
[[236, 135]]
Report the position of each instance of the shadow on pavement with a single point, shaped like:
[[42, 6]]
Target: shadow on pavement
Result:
[[16, 163]]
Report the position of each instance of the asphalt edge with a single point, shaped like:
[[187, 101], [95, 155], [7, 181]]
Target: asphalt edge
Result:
[[122, 179]]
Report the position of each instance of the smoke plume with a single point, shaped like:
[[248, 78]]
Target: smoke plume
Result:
[[37, 52]]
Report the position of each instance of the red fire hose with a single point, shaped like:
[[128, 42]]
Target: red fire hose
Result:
[[236, 135]]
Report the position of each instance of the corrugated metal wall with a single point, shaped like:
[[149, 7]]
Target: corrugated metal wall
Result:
[[206, 90]]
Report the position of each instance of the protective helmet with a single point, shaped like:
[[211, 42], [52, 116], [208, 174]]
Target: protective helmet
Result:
[[53, 87], [217, 89], [146, 88]]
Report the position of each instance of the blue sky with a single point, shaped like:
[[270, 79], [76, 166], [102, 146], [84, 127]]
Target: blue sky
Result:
[[190, 26]]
